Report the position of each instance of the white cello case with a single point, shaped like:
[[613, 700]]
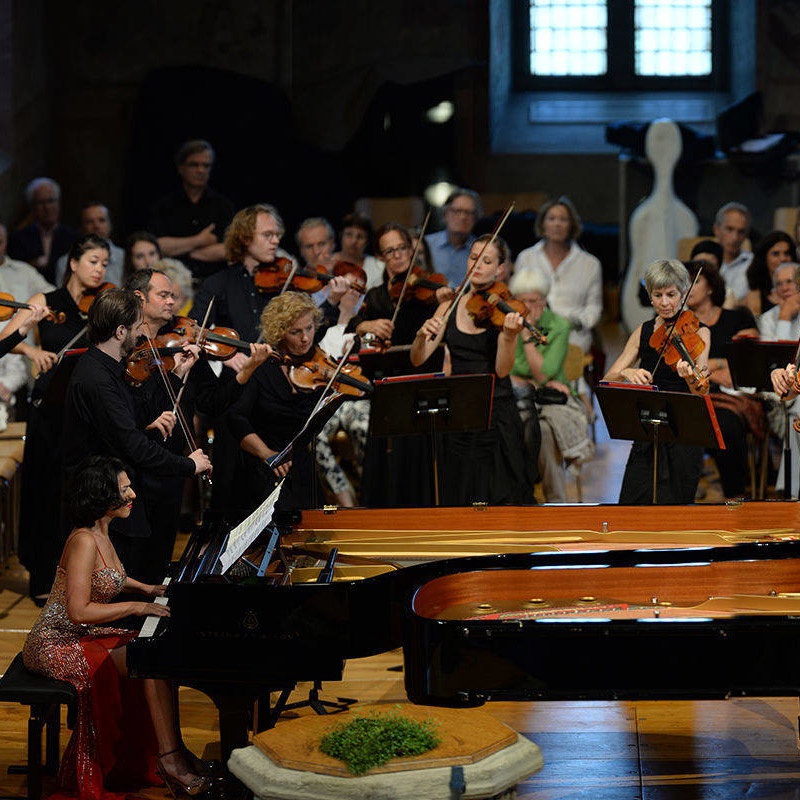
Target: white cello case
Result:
[[658, 222]]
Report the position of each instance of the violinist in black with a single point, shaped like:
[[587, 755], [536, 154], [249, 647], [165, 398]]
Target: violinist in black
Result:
[[679, 465], [485, 466], [271, 410], [40, 544]]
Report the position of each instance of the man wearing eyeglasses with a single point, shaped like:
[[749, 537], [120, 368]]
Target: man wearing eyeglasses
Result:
[[450, 247], [41, 243], [190, 222]]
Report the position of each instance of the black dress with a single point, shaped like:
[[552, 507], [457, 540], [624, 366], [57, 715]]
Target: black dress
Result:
[[40, 540], [270, 407], [679, 465], [485, 466], [397, 469]]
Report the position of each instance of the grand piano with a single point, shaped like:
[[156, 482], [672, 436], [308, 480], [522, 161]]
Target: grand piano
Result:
[[494, 605]]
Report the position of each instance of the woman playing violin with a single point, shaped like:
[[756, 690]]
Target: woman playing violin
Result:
[[667, 283], [271, 410], [375, 316], [41, 468], [483, 466]]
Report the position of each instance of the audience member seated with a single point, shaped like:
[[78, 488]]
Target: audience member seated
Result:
[[575, 276], [141, 252], [774, 249], [737, 413], [707, 250], [357, 237], [563, 422], [450, 247], [782, 321], [731, 228], [45, 240], [190, 223], [96, 219]]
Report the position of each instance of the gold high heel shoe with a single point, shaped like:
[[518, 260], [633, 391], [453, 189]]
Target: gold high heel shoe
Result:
[[176, 786]]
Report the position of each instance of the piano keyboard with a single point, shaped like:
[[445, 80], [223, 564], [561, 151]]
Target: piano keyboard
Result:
[[151, 622]]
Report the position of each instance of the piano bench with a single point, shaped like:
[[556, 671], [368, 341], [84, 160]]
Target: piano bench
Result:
[[45, 697]]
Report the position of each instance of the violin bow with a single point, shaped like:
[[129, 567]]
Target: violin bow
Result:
[[339, 366], [288, 282], [465, 283], [200, 334], [68, 345], [672, 325], [411, 265]]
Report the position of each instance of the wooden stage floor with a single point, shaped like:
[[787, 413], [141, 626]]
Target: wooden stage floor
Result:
[[741, 748]]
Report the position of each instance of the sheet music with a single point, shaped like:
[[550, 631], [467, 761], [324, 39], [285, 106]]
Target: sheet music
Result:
[[246, 532], [151, 623]]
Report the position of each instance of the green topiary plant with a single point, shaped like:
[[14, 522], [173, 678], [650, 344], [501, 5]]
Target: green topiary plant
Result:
[[367, 742]]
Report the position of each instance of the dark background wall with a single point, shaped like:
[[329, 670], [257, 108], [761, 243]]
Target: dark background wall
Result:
[[310, 104]]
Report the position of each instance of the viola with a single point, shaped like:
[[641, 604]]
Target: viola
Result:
[[219, 344], [271, 278], [684, 343], [489, 306], [8, 306], [422, 285], [318, 370], [90, 295], [152, 354], [311, 280]]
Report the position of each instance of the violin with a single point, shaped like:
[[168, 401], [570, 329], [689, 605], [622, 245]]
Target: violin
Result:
[[90, 295], [308, 279], [8, 306], [489, 306], [271, 278], [318, 370], [218, 345], [685, 343], [151, 354], [422, 285]]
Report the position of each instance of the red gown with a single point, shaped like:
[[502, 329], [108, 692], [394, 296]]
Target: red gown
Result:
[[113, 745]]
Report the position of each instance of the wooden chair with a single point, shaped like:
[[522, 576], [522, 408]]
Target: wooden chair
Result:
[[686, 244], [44, 697], [408, 211]]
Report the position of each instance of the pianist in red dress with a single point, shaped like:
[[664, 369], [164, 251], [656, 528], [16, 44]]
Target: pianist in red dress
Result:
[[127, 732]]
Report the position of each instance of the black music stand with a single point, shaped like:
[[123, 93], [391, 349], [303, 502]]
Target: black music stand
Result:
[[647, 415], [431, 406], [751, 362], [379, 364], [55, 395]]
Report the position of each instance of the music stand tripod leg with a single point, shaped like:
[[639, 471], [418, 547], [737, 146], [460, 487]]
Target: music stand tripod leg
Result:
[[655, 423]]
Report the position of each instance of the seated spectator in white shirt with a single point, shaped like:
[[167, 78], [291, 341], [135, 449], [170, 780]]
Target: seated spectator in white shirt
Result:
[[731, 228], [782, 321]]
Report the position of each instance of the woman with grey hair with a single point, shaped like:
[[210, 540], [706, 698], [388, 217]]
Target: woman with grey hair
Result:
[[548, 406], [679, 465]]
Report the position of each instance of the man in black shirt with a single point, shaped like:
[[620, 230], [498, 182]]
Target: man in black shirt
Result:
[[100, 418], [190, 222]]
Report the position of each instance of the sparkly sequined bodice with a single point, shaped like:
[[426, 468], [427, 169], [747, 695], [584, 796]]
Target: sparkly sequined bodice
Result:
[[54, 628]]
